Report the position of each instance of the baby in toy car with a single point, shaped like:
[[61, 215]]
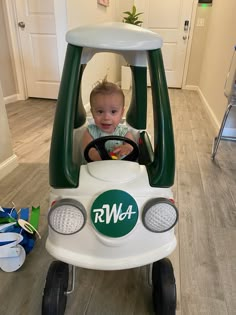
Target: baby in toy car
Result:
[[107, 108]]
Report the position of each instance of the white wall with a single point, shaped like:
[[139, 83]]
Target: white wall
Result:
[[198, 46], [7, 75], [8, 160], [89, 12], [220, 42]]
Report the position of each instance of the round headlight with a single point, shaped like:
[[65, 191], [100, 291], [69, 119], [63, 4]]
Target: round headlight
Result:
[[159, 215], [67, 216]]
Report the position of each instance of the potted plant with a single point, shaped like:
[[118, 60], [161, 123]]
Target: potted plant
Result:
[[130, 17]]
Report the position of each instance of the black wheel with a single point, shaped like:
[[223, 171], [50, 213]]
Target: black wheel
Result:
[[54, 298], [99, 145], [164, 288]]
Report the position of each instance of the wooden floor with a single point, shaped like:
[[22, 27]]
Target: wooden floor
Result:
[[205, 191]]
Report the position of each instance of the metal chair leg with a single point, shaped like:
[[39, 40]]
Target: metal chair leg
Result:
[[216, 141]]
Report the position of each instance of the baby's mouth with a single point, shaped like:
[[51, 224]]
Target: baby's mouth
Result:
[[106, 126]]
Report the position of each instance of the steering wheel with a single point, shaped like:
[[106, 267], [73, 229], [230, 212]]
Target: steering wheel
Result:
[[99, 145]]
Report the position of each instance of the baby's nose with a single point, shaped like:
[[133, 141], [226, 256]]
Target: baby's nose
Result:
[[106, 115]]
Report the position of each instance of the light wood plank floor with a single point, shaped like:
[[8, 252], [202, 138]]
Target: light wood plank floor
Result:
[[205, 257]]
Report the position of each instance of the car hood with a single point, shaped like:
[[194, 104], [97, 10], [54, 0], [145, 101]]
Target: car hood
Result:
[[114, 171]]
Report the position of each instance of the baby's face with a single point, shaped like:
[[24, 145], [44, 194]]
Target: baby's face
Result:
[[107, 111]]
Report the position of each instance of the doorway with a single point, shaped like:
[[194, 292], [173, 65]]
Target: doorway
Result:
[[37, 31]]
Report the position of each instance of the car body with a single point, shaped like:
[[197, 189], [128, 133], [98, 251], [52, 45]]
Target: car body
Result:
[[112, 214]]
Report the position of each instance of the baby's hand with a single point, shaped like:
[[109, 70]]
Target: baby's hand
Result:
[[123, 150]]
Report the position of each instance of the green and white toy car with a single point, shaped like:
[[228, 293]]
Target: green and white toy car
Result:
[[112, 214]]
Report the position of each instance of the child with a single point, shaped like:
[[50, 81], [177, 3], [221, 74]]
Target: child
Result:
[[107, 107]]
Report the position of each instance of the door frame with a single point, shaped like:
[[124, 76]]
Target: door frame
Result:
[[187, 57], [60, 12]]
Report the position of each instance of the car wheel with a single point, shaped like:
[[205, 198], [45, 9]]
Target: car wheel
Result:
[[54, 297], [164, 288]]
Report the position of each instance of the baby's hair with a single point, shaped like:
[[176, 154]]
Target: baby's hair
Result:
[[105, 87]]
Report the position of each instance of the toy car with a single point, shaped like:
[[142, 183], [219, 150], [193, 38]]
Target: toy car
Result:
[[112, 214]]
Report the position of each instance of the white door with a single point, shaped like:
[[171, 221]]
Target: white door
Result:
[[170, 19], [38, 43]]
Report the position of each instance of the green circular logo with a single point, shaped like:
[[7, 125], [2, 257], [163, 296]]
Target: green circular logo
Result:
[[114, 213]]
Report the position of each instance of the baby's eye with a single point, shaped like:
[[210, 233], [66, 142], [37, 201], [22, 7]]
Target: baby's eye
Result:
[[114, 111], [99, 111]]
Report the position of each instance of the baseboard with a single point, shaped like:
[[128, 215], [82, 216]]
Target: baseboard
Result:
[[212, 116], [8, 166], [11, 98], [203, 99], [191, 87]]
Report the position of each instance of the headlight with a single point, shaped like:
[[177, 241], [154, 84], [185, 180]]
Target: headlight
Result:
[[159, 215], [67, 216]]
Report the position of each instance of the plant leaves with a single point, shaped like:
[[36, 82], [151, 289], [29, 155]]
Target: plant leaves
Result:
[[132, 17]]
